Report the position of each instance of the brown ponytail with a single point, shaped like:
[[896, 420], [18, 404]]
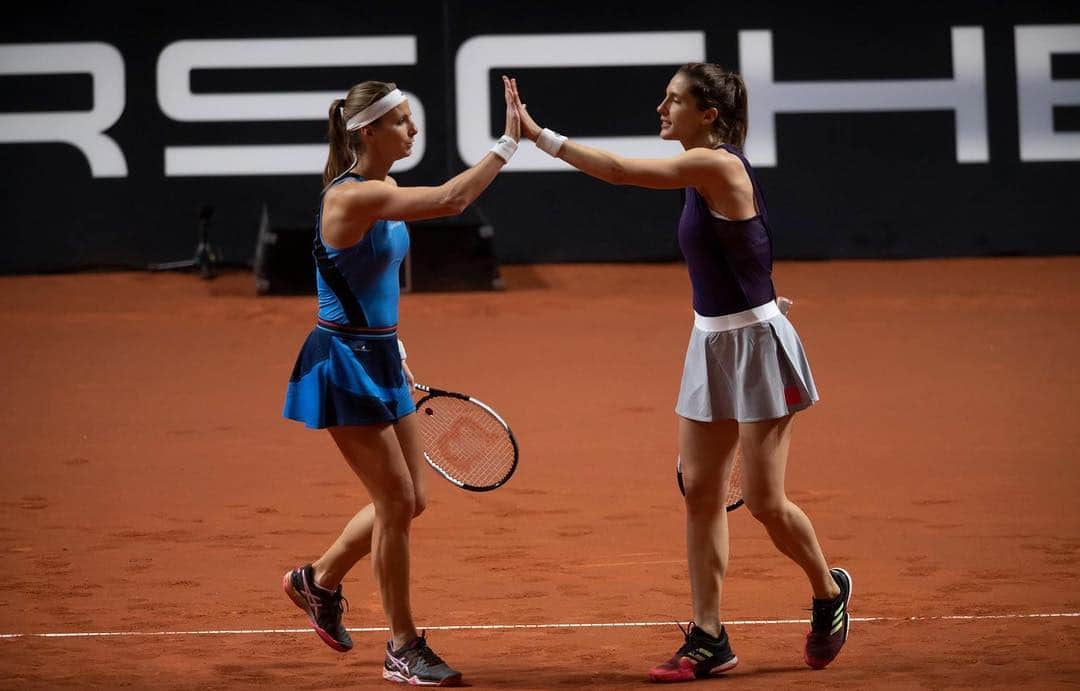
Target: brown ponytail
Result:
[[725, 91], [339, 157], [343, 144]]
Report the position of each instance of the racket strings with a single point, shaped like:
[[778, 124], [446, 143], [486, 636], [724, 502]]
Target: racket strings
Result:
[[733, 491], [465, 440], [470, 452]]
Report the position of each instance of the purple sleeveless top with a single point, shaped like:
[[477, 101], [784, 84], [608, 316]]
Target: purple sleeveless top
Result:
[[730, 262]]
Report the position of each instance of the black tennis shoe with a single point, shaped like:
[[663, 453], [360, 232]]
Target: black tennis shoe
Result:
[[418, 665], [323, 607], [699, 657], [829, 624]]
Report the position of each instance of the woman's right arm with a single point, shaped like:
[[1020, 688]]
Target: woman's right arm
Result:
[[377, 199], [696, 167]]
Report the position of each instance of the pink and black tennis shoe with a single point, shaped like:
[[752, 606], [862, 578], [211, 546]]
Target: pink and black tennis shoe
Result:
[[700, 657], [829, 624], [323, 607]]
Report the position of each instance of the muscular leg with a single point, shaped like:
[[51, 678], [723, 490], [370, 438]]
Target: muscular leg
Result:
[[354, 543], [374, 455], [765, 451], [408, 434], [707, 450]]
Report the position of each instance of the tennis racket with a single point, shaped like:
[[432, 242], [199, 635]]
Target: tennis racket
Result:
[[465, 440], [733, 497]]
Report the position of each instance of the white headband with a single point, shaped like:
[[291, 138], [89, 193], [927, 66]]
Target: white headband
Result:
[[375, 111]]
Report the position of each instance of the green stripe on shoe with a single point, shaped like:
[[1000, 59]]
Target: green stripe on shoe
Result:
[[838, 622]]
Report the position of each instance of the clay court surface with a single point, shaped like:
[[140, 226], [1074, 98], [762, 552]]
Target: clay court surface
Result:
[[150, 484]]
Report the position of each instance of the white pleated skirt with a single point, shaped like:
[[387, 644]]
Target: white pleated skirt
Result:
[[748, 366]]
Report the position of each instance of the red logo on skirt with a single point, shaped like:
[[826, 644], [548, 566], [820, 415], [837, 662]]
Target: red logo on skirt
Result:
[[792, 395]]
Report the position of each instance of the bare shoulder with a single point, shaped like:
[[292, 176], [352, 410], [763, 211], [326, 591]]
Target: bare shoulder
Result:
[[349, 210], [355, 190], [728, 189], [729, 176], [354, 196], [729, 165], [391, 181], [709, 164]]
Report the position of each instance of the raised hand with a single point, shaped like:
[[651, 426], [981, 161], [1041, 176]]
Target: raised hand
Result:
[[513, 119], [529, 127]]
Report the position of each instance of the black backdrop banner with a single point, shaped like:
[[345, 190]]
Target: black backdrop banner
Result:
[[931, 129]]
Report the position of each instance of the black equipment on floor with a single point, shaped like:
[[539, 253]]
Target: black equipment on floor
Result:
[[207, 257]]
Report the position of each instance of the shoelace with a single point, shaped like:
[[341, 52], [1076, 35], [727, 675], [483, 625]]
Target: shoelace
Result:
[[821, 615], [343, 604], [336, 603], [686, 646], [429, 656]]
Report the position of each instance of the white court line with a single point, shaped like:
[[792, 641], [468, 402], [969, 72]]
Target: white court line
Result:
[[503, 627], [630, 563]]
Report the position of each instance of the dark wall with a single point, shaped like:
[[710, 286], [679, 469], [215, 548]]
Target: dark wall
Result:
[[915, 177]]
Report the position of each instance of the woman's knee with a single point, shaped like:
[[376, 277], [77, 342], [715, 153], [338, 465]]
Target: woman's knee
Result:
[[397, 509], [768, 510], [419, 503], [702, 498]]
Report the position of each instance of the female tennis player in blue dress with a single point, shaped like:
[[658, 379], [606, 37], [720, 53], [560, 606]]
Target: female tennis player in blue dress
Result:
[[745, 373], [350, 376]]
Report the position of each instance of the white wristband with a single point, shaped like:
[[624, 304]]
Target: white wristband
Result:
[[505, 148], [550, 142], [401, 349]]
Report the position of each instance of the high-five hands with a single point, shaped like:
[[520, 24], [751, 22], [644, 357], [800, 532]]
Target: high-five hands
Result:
[[528, 126], [513, 120]]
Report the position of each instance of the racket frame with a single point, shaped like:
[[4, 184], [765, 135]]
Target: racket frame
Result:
[[431, 392], [682, 488]]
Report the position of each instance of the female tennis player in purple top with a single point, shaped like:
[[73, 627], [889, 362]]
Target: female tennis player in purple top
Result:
[[745, 373], [350, 377]]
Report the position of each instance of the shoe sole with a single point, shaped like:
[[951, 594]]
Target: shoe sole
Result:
[[847, 629], [298, 600], [726, 667], [398, 678], [679, 677]]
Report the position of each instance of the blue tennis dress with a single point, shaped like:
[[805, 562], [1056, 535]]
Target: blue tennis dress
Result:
[[349, 371]]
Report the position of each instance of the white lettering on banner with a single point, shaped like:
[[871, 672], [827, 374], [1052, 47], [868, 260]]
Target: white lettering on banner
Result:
[[1037, 92], [274, 159], [177, 101], [965, 94], [83, 129], [478, 55]]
